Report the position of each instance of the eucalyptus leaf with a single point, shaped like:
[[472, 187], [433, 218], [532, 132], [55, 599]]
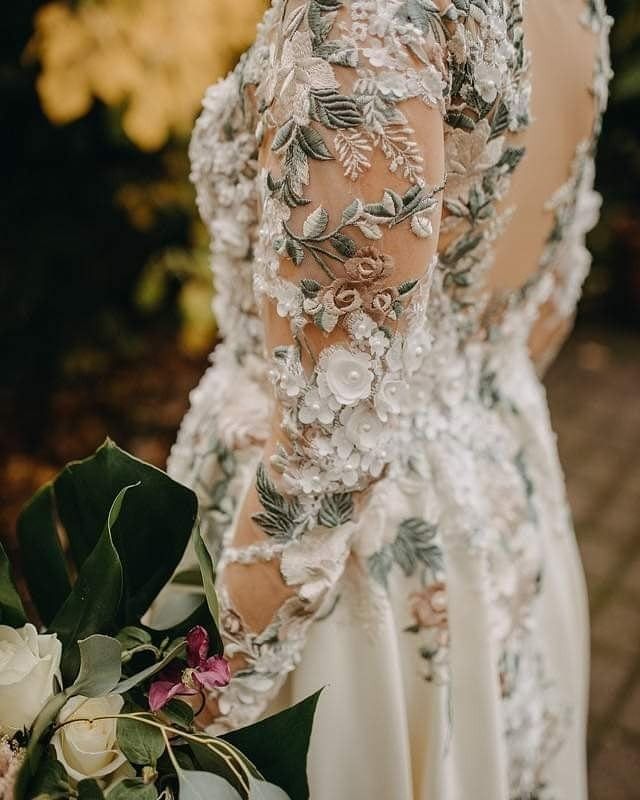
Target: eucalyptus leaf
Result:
[[100, 666], [132, 789], [261, 790], [142, 744], [196, 785], [11, 609], [209, 759]]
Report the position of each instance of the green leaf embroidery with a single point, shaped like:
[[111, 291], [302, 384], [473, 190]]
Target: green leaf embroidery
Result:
[[345, 245], [316, 223], [295, 251], [312, 143], [335, 509], [407, 286], [310, 288], [351, 212], [283, 135], [334, 110]]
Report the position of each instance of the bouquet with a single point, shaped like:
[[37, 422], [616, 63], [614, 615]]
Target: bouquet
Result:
[[92, 700]]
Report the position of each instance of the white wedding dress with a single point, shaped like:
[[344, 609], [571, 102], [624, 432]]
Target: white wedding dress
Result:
[[397, 193]]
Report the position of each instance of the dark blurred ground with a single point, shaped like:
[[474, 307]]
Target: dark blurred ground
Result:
[[594, 391], [594, 394]]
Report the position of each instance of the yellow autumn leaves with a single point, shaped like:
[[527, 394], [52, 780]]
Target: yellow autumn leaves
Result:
[[152, 58]]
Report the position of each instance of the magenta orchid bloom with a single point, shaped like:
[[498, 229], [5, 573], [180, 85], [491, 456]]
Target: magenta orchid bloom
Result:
[[202, 672]]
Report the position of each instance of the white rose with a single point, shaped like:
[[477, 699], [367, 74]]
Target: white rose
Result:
[[346, 375], [29, 666], [89, 749]]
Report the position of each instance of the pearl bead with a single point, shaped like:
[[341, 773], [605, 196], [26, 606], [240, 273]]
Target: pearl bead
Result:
[[419, 350], [393, 389], [366, 427], [438, 601], [354, 375], [315, 406]]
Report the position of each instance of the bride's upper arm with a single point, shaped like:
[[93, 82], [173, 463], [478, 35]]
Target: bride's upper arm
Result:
[[353, 157]]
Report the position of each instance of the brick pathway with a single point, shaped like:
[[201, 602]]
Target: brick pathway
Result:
[[594, 393]]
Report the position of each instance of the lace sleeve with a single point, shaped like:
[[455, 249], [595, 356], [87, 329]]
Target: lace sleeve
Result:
[[351, 153]]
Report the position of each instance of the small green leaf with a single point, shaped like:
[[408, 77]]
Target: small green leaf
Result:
[[196, 785], [142, 744], [100, 666], [89, 789], [132, 789], [132, 636], [11, 609], [51, 780], [179, 713]]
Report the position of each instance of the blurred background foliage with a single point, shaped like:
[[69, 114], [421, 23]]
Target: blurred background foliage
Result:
[[104, 262]]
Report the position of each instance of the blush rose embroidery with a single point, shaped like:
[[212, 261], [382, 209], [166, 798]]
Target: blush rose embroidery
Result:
[[429, 606]]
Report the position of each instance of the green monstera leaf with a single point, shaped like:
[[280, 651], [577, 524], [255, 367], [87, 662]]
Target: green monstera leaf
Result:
[[149, 532], [278, 747], [11, 610]]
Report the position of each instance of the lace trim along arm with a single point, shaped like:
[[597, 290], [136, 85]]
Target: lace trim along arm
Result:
[[352, 171]]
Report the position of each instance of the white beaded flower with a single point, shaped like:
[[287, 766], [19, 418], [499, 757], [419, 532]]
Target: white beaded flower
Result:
[[362, 427], [315, 407], [345, 375], [392, 397]]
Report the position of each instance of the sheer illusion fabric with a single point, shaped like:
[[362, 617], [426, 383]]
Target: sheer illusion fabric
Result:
[[397, 193]]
